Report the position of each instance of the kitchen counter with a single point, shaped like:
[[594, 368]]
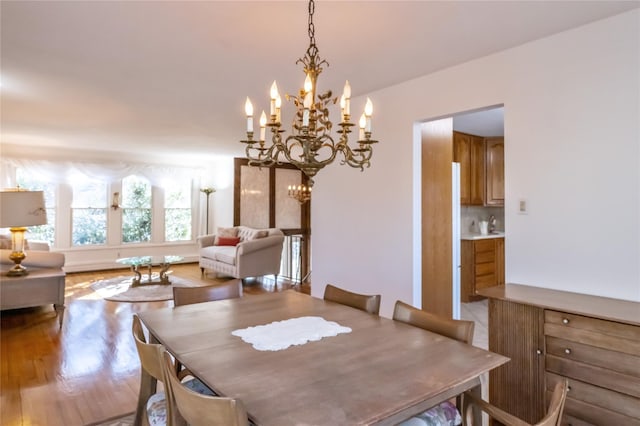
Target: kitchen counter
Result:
[[478, 236]]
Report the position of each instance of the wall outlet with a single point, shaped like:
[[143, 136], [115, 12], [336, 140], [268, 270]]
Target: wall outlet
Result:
[[523, 208]]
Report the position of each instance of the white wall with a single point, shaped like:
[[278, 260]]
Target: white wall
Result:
[[572, 128]]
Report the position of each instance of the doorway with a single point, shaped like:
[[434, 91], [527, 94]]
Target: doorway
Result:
[[440, 245]]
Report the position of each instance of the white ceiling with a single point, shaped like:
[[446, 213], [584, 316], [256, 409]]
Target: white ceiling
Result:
[[171, 77]]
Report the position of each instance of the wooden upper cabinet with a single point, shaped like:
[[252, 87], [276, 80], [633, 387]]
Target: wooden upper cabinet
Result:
[[494, 151], [468, 150], [462, 155]]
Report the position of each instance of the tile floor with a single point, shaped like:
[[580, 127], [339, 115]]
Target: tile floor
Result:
[[477, 311]]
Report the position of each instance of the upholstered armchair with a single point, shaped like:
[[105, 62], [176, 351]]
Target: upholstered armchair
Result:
[[242, 252]]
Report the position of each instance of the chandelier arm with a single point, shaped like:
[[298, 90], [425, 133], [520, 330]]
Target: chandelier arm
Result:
[[350, 157]]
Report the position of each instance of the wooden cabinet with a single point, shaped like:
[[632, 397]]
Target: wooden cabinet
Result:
[[550, 335], [468, 150], [482, 266], [494, 169]]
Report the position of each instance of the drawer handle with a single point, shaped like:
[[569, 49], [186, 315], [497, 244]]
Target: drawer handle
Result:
[[538, 351], [567, 351], [565, 320]]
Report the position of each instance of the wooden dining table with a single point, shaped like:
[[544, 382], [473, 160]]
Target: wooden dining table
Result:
[[380, 373]]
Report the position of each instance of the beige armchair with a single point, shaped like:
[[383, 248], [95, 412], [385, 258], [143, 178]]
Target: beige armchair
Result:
[[242, 252]]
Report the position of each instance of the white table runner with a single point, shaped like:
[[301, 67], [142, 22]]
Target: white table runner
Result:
[[279, 335]]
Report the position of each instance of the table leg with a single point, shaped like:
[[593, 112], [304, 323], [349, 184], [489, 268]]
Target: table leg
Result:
[[476, 391], [164, 278], [59, 312], [137, 280]]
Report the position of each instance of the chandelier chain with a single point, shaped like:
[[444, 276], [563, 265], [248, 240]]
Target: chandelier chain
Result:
[[312, 29]]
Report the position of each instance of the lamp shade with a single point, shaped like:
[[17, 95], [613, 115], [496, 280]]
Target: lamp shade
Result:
[[22, 208]]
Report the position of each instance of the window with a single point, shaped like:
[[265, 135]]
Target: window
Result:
[[29, 181], [177, 211], [136, 210], [89, 213]]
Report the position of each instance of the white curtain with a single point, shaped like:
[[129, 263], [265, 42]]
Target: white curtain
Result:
[[70, 171]]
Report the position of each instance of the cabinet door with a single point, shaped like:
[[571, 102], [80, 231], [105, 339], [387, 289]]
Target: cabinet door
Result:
[[500, 261], [517, 331], [462, 155], [477, 171], [495, 171]]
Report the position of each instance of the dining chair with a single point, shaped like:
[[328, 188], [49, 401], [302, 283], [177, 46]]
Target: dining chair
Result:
[[189, 295], [367, 303], [201, 410], [445, 413], [152, 408], [552, 418]]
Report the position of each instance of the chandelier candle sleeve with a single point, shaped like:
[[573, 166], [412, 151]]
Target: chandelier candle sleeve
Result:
[[346, 111]]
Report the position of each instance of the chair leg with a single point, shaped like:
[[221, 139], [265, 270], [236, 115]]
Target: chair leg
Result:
[[201, 272]]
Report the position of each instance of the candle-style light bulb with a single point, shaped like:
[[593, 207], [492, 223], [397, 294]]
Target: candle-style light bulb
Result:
[[347, 90], [263, 123], [248, 109], [368, 110], [362, 123], [274, 96], [308, 84]]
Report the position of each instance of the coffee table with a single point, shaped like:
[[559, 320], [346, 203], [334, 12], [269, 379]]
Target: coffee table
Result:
[[149, 262]]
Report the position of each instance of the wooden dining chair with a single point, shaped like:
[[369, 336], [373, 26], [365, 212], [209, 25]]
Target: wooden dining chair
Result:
[[367, 303], [553, 417], [460, 330], [152, 408], [189, 295], [201, 410], [446, 413]]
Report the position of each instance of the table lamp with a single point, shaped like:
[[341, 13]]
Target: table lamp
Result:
[[18, 210]]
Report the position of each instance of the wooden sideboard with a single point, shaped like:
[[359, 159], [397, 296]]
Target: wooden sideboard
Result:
[[549, 334]]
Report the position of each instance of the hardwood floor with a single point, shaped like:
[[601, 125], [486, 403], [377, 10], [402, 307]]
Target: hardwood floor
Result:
[[88, 370]]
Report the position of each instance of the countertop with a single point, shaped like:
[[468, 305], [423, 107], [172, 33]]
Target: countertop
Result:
[[478, 236]]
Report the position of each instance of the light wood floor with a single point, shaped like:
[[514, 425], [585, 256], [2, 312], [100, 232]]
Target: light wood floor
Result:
[[87, 371]]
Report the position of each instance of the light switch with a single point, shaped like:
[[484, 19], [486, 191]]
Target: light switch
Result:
[[522, 207]]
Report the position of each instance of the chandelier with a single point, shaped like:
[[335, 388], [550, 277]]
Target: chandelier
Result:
[[302, 193], [310, 146]]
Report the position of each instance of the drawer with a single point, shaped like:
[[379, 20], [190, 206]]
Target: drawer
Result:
[[602, 377], [485, 281], [485, 257], [612, 360], [593, 332], [610, 328], [485, 269], [600, 397], [482, 246], [568, 420], [591, 414]]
